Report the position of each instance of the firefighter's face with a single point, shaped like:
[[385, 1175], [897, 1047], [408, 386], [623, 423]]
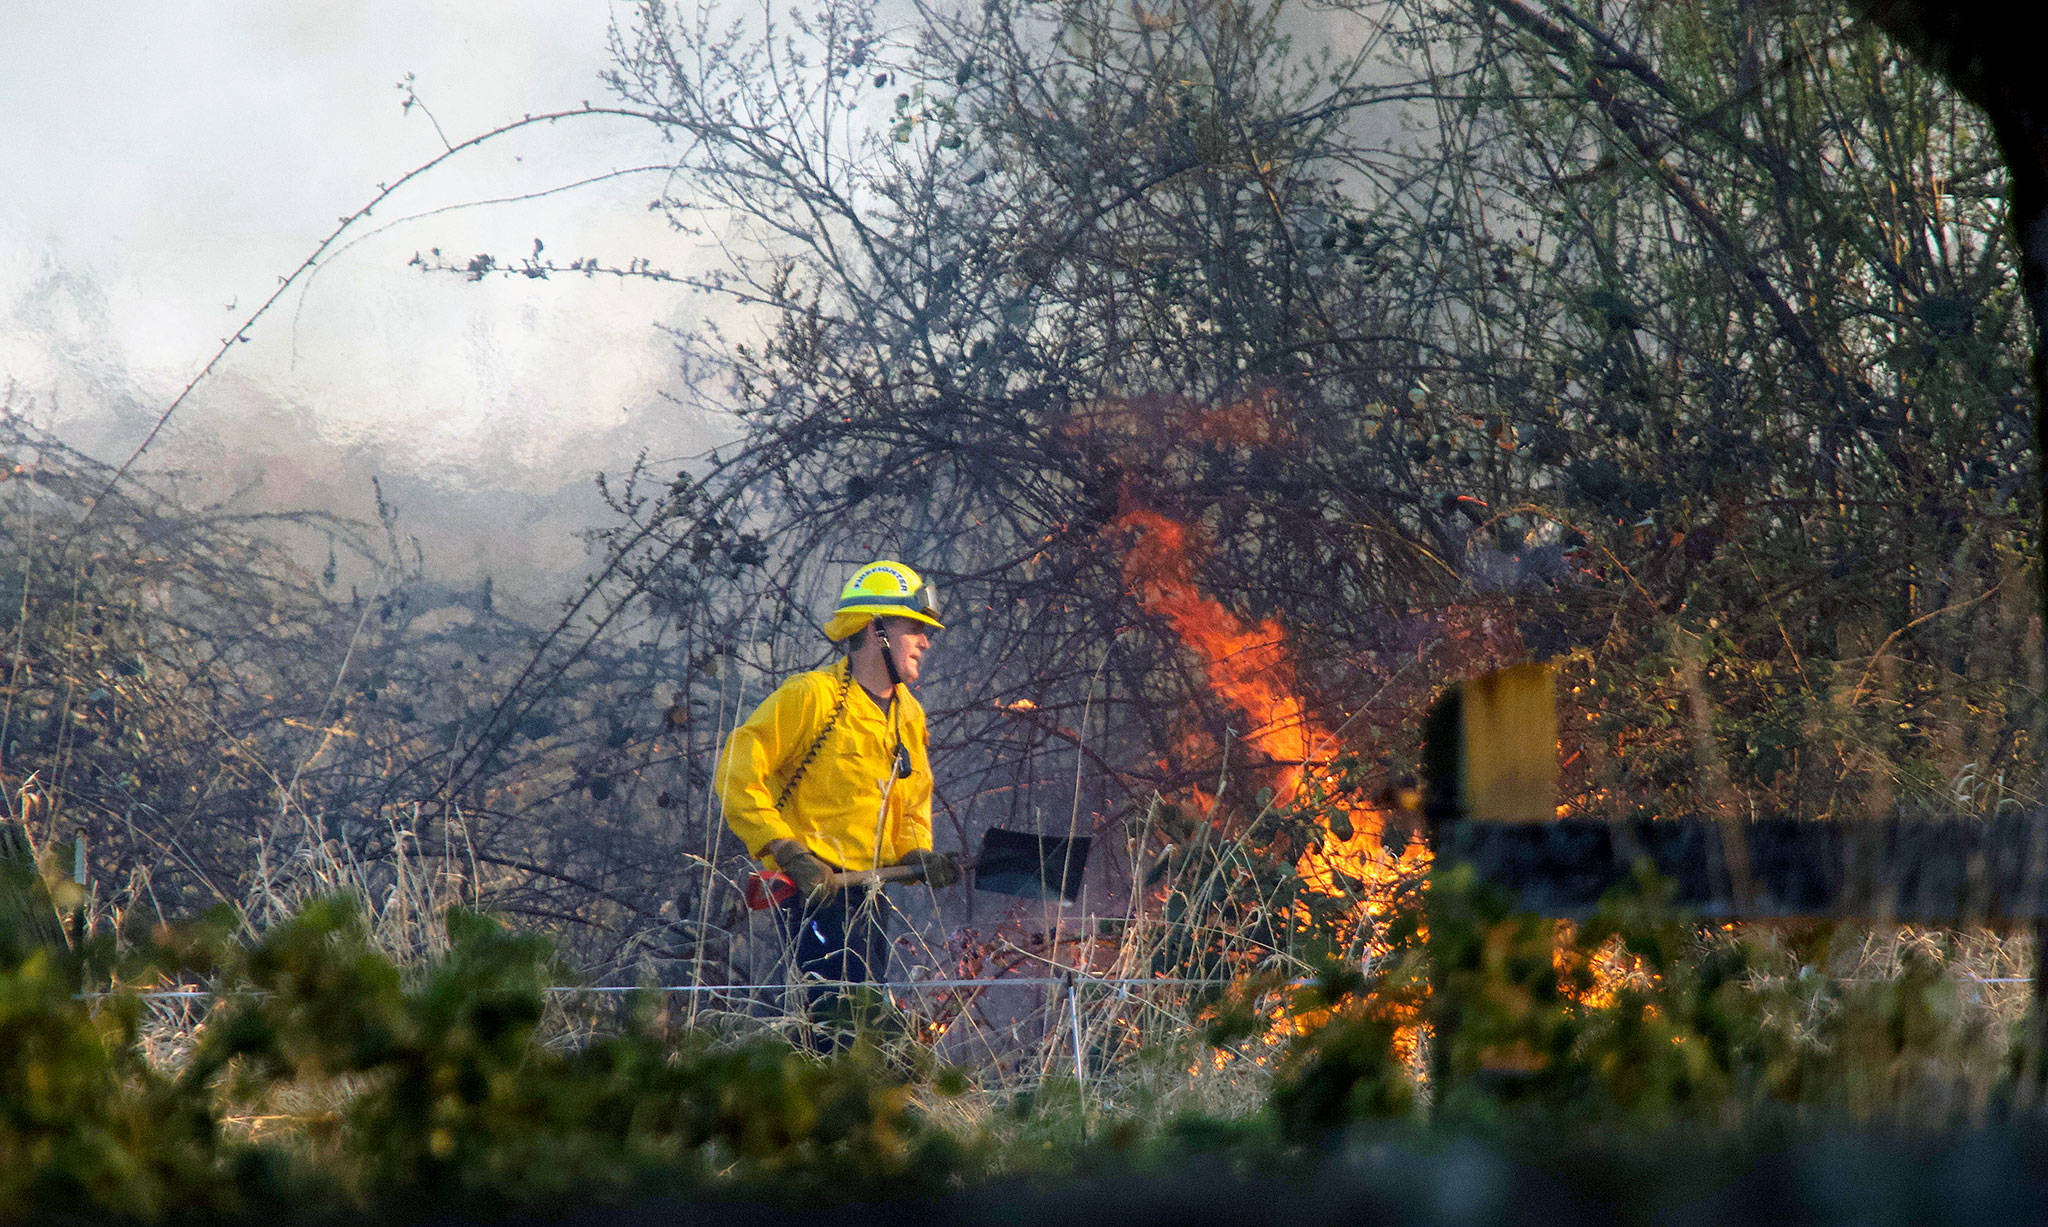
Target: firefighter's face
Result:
[[908, 641]]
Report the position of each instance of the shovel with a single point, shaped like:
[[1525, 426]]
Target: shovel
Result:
[[1009, 863], [1031, 866]]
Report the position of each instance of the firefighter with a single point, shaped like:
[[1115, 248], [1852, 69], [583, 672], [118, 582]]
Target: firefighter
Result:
[[830, 773]]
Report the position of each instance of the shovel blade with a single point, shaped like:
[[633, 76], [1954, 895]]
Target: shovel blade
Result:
[[1031, 866]]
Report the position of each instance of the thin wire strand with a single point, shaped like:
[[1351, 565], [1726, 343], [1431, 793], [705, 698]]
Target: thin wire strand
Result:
[[183, 994]]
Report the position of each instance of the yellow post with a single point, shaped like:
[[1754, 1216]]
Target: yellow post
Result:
[[1508, 749], [1489, 754]]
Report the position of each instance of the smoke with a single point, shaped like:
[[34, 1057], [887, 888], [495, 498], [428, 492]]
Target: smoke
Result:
[[508, 495], [147, 216]]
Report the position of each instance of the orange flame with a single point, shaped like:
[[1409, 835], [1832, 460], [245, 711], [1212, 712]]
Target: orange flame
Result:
[[1249, 666]]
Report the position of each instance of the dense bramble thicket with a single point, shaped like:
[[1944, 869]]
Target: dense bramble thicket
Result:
[[217, 721], [1680, 345]]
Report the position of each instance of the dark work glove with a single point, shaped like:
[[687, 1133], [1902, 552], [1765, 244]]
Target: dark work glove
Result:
[[812, 876], [939, 868]]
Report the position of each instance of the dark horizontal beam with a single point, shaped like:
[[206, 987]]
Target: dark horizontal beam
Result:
[[1953, 872]]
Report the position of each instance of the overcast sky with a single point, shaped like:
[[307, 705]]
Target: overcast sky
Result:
[[165, 163]]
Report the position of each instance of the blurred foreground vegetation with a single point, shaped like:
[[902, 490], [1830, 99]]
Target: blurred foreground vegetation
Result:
[[1639, 1064]]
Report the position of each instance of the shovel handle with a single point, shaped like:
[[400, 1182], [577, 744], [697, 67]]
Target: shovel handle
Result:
[[876, 877], [764, 889]]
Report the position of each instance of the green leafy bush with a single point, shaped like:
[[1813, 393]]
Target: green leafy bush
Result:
[[449, 1090], [86, 1123], [447, 1094], [1640, 1018]]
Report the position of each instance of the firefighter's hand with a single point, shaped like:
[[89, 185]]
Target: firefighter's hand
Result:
[[938, 868], [812, 876]]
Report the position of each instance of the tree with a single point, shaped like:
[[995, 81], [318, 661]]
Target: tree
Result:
[[1087, 268], [1676, 343], [1737, 282], [1970, 46]]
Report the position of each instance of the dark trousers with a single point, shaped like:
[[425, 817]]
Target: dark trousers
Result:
[[846, 937]]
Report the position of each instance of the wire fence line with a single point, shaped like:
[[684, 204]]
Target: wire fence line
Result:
[[1065, 1021], [188, 994], [1065, 1030], [1124, 983], [985, 982]]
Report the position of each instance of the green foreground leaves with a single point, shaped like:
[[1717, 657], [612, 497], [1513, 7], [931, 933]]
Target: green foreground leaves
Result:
[[328, 1082], [434, 1093]]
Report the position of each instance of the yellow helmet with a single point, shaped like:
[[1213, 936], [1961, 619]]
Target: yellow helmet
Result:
[[882, 589]]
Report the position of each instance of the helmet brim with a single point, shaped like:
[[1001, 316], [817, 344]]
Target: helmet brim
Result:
[[847, 622]]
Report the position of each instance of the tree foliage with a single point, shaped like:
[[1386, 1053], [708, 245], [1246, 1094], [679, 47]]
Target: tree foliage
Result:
[[1682, 345], [1752, 318], [1242, 373]]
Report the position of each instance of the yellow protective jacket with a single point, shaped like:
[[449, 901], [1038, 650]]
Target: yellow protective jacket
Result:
[[833, 809]]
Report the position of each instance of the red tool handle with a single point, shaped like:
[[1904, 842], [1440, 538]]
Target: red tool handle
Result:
[[765, 889]]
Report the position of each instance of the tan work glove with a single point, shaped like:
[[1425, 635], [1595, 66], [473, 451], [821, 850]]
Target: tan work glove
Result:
[[812, 876], [938, 868]]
